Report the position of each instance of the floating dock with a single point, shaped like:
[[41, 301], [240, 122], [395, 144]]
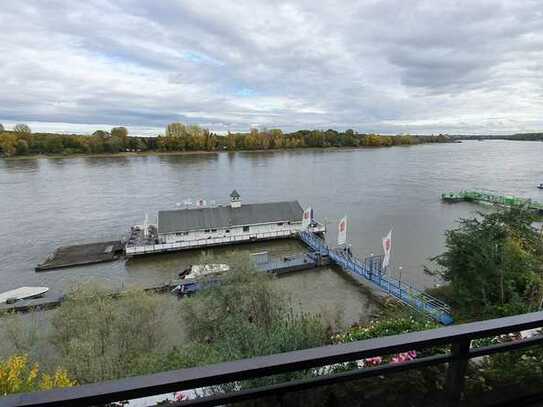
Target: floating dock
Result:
[[507, 201], [35, 304], [80, 255]]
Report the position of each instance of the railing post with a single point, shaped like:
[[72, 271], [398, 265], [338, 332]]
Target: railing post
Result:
[[456, 372]]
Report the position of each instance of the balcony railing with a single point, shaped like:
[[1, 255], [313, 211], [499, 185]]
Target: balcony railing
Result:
[[458, 337]]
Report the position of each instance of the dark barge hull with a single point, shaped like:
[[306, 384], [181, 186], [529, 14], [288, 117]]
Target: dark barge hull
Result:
[[80, 255]]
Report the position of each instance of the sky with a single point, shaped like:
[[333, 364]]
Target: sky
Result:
[[386, 66]]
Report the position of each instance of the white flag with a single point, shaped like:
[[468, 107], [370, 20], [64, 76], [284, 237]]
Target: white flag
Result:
[[387, 247], [342, 231], [307, 218]]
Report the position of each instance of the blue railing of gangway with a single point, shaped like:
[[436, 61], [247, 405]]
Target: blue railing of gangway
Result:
[[371, 270]]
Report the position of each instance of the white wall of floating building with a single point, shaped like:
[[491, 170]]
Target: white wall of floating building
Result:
[[228, 232]]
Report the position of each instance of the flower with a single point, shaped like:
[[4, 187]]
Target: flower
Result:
[[403, 357], [375, 361]]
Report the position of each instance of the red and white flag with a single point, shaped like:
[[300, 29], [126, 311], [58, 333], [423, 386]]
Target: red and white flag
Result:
[[387, 247], [342, 231], [307, 218]]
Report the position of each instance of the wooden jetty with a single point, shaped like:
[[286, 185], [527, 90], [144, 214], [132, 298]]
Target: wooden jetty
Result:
[[79, 255]]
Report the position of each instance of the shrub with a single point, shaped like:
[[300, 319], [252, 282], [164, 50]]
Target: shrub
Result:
[[18, 374]]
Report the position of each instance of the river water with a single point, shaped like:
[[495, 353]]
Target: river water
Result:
[[45, 203]]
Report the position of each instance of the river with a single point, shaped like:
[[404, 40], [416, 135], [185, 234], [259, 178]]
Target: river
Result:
[[45, 203]]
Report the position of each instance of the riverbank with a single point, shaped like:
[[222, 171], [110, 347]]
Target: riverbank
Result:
[[200, 152], [109, 155]]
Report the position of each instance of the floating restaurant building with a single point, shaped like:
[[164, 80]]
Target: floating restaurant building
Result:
[[220, 225]]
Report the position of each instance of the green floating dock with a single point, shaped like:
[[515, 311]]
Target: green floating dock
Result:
[[507, 201]]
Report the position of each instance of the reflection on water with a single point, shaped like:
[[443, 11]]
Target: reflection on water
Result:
[[46, 203]]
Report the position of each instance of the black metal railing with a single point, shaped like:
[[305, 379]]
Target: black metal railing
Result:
[[457, 337]]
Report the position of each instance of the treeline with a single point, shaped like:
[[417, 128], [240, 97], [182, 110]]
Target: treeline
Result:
[[527, 136], [517, 136], [21, 142], [179, 137]]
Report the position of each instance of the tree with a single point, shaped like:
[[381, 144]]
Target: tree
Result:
[[101, 133], [245, 316], [8, 144], [494, 264], [176, 130], [22, 128], [1, 128], [120, 133], [53, 145], [100, 337], [22, 147], [114, 144]]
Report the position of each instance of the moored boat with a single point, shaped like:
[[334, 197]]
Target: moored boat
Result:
[[202, 270], [22, 293]]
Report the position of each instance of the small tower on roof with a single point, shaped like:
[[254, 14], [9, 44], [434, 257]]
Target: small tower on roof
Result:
[[235, 199]]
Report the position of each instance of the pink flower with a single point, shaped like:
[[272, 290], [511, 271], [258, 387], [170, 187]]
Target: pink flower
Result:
[[180, 396], [375, 361], [404, 357]]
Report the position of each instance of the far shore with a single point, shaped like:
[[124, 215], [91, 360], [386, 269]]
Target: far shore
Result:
[[197, 152]]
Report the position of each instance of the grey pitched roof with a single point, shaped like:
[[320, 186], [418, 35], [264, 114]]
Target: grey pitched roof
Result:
[[183, 220], [234, 194]]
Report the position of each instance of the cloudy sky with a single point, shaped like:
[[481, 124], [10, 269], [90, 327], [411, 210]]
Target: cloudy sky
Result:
[[385, 66]]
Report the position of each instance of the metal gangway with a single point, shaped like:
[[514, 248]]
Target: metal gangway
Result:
[[371, 270]]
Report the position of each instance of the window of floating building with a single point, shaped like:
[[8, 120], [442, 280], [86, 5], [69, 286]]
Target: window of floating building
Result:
[[206, 231], [245, 228], [280, 223], [227, 231], [213, 230]]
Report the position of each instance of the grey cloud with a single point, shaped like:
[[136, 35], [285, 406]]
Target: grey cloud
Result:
[[389, 66]]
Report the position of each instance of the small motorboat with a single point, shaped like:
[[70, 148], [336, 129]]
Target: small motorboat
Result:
[[22, 293], [191, 287], [202, 270], [540, 186]]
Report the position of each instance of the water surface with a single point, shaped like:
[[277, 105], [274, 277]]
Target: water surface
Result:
[[45, 203]]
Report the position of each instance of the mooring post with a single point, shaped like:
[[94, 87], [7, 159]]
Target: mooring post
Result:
[[456, 372]]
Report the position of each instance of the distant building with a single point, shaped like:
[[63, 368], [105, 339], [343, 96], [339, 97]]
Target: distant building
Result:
[[223, 224]]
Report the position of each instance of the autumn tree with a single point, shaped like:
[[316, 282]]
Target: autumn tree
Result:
[[120, 133], [8, 143]]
